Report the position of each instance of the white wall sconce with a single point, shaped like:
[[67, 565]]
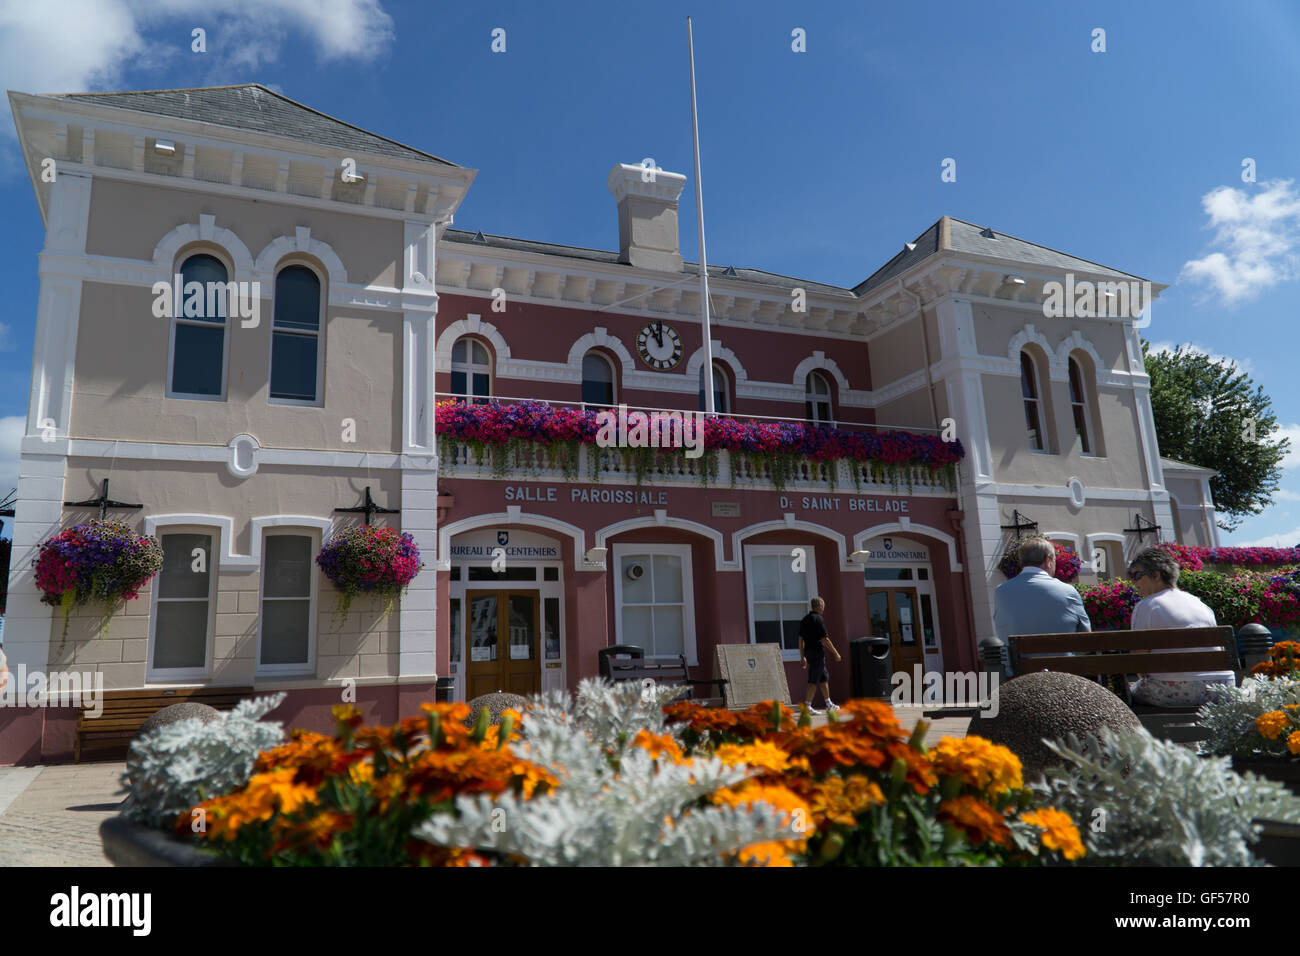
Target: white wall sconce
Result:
[[596, 556], [860, 557], [164, 147]]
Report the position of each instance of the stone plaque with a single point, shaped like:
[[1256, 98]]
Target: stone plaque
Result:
[[726, 509], [753, 672]]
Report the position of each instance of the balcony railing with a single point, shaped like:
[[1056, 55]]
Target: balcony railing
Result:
[[716, 468]]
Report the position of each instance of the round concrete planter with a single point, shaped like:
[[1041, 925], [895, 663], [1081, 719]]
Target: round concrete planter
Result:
[[131, 844], [1285, 771], [1280, 842]]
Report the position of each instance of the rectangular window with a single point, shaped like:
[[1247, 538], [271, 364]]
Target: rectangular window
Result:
[[456, 636], [182, 616], [287, 604], [551, 627], [779, 594], [654, 599], [295, 336]]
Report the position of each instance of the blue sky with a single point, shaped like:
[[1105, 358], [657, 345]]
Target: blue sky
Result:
[[818, 164]]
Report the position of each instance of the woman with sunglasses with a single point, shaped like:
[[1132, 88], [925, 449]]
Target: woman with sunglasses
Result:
[[1154, 572]]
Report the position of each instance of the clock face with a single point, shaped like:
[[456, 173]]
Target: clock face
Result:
[[659, 345]]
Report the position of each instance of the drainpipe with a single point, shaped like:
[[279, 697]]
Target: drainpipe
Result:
[[956, 516], [925, 344]]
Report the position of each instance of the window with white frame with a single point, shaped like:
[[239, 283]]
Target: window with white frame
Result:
[[183, 599], [471, 370], [198, 334], [721, 389], [1033, 405], [288, 603], [780, 589], [296, 351], [1079, 407], [818, 399], [654, 599], [597, 380]]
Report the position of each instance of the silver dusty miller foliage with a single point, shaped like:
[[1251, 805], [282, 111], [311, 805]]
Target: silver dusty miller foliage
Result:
[[179, 765], [616, 805], [1230, 714], [1141, 801]]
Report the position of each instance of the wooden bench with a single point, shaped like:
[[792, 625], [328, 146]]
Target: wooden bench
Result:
[[125, 710], [1104, 653], [667, 671]]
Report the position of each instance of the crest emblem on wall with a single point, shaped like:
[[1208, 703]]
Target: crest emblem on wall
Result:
[[503, 537], [889, 543]]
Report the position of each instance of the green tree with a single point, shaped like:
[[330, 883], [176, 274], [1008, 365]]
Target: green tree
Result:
[[1209, 413]]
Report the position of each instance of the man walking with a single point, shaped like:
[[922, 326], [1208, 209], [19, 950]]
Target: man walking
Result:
[[814, 645], [1034, 601]]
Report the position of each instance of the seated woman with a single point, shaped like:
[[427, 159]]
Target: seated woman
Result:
[[1154, 572]]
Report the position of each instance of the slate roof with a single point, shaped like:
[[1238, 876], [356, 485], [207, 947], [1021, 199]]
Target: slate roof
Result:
[[957, 235], [1173, 464], [612, 258], [253, 107]]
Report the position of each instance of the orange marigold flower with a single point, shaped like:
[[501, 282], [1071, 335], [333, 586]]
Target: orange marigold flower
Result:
[[1272, 724], [1293, 742], [1059, 831], [660, 744], [761, 754], [839, 800], [791, 808], [980, 822], [986, 766], [347, 714]]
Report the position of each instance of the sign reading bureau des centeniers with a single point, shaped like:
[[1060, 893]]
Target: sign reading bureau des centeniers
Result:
[[518, 545]]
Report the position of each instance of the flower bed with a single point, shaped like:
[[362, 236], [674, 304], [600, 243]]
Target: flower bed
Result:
[[1195, 557], [1067, 563], [559, 431], [1237, 598], [369, 560], [102, 560]]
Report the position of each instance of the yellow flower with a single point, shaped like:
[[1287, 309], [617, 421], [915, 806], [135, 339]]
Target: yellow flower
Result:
[[660, 744], [1272, 724], [839, 800], [793, 810], [1059, 831], [988, 767], [762, 754]]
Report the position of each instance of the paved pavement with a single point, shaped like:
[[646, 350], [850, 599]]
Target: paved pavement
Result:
[[49, 816]]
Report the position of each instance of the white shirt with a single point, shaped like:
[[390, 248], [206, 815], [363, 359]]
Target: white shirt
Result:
[[1174, 608]]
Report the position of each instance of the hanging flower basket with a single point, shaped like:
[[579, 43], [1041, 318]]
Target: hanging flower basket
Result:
[[102, 560], [1067, 563], [369, 560]]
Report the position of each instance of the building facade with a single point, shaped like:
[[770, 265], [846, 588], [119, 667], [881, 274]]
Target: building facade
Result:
[[242, 427]]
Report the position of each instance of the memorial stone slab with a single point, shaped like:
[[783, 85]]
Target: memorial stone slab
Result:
[[753, 672]]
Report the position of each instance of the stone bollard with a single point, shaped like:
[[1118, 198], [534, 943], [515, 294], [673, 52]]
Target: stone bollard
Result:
[[993, 652], [1253, 644]]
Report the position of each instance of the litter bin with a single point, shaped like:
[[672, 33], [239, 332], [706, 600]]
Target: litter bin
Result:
[[871, 667], [1254, 641]]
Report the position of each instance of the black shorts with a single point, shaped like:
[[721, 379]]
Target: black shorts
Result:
[[817, 671]]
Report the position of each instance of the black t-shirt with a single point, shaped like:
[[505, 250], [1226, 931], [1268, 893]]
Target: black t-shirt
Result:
[[812, 629]]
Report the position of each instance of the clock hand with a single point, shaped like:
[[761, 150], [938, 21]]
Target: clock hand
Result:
[[659, 333]]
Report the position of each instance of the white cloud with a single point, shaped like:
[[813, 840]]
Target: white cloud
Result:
[[1256, 234], [68, 46], [1282, 494], [11, 435], [1287, 539], [1292, 458]]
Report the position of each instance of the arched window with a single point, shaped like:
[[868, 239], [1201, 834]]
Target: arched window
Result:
[[1079, 407], [721, 389], [818, 402], [295, 336], [1033, 405], [198, 345], [471, 370], [597, 380]]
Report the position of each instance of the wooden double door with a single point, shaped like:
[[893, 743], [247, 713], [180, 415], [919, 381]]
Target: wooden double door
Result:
[[895, 613], [503, 642]]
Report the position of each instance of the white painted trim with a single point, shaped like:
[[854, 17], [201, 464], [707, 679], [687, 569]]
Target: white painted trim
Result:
[[176, 525], [232, 463], [790, 523], [514, 516], [720, 354], [1136, 495], [912, 529], [315, 538], [601, 338], [818, 362], [1092, 541], [603, 535], [322, 285], [300, 243], [206, 231], [810, 573], [682, 551], [473, 324]]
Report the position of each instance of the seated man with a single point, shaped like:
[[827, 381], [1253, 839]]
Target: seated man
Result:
[[1154, 572], [1034, 601]]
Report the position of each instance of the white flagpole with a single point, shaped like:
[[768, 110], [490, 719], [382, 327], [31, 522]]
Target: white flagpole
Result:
[[699, 215]]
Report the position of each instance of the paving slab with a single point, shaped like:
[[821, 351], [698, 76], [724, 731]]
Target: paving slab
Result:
[[52, 815]]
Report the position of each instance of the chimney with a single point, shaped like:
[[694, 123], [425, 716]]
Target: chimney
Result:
[[647, 216]]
